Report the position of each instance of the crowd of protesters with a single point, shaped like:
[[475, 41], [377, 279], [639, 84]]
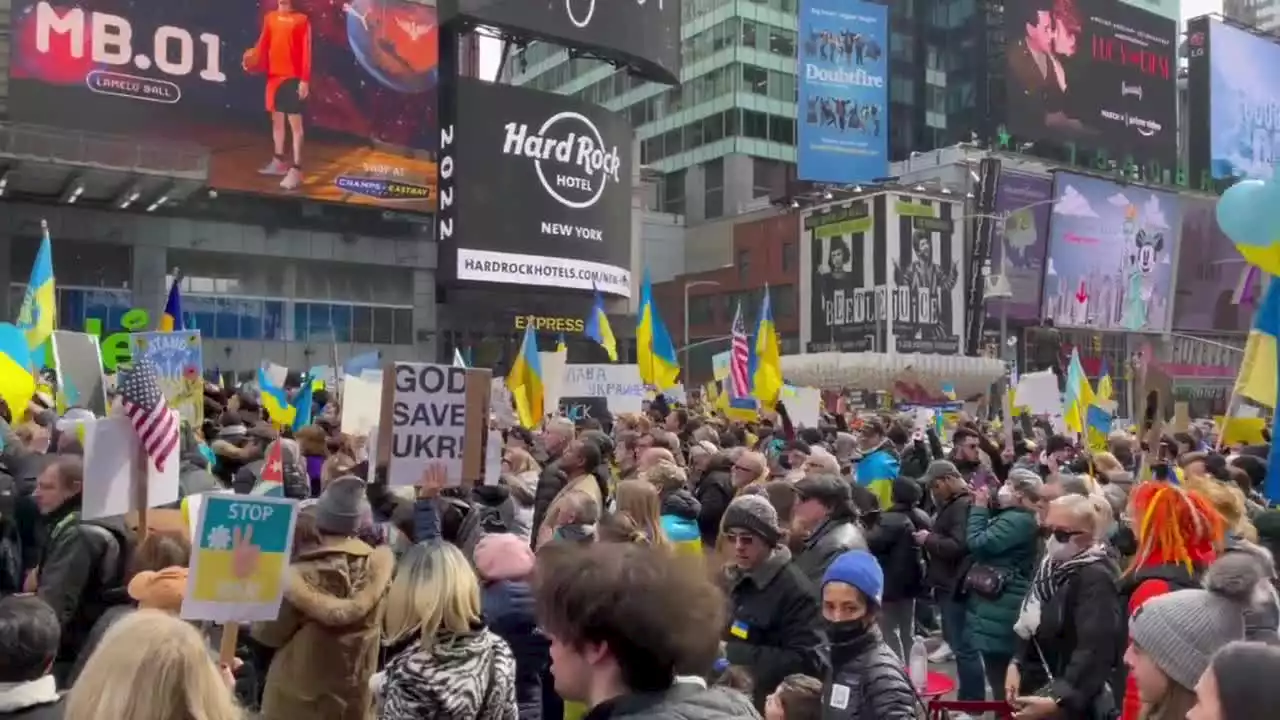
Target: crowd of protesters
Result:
[[672, 564]]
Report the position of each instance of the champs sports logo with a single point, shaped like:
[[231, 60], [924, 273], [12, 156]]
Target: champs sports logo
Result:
[[569, 153]]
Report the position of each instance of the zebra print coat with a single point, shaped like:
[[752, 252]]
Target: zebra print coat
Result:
[[466, 677]]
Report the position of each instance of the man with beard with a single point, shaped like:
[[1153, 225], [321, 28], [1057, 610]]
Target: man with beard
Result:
[[923, 273]]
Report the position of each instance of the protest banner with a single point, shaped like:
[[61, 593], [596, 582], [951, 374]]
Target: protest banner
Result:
[[80, 378], [433, 414], [179, 360], [119, 478], [619, 384], [582, 408], [240, 558]]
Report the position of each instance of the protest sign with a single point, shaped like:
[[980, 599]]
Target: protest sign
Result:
[[433, 414], [582, 408], [80, 379], [240, 558], [619, 384], [113, 465], [179, 361], [361, 403]]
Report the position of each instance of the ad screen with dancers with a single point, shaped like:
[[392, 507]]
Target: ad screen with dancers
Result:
[[331, 100], [844, 91], [1097, 73]]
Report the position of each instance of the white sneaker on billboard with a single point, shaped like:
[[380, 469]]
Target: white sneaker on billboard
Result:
[[275, 167], [292, 179]]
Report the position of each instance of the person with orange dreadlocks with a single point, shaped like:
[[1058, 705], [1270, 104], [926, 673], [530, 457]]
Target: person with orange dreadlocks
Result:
[[1178, 534]]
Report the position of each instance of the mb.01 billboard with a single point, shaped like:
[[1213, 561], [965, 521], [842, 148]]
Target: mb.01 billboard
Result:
[[1097, 73], [326, 99]]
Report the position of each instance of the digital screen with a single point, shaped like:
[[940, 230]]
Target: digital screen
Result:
[[1097, 73], [324, 99], [1243, 102], [844, 91]]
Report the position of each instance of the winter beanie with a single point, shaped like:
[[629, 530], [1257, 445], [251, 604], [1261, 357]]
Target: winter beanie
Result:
[[859, 569], [754, 514], [342, 506], [503, 556], [1180, 631]]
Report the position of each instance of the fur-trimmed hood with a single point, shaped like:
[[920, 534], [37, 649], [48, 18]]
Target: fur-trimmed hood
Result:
[[340, 582]]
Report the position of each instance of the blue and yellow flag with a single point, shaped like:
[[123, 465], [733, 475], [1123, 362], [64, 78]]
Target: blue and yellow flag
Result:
[[561, 345], [1105, 387], [276, 402], [1097, 428], [172, 319], [525, 381], [17, 384], [655, 353], [766, 375], [38, 315], [302, 404], [1257, 378], [598, 328], [1078, 395]]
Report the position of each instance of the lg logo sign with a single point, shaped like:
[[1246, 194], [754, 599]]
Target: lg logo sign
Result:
[[582, 11]]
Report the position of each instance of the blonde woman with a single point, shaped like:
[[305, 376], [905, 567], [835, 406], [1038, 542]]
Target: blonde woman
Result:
[[444, 663], [181, 680], [639, 499], [679, 508]]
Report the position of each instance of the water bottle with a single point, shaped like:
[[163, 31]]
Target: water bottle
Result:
[[918, 664]]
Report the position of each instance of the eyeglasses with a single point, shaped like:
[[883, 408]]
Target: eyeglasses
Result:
[[1065, 535]]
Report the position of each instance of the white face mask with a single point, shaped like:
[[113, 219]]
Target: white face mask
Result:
[[1004, 496], [1061, 551]]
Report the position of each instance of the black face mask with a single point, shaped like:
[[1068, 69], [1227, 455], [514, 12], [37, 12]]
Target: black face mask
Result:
[[845, 630], [1125, 541], [784, 461]]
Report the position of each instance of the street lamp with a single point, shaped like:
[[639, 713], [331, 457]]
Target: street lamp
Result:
[[687, 285]]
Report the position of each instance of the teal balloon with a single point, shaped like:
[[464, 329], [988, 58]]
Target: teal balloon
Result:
[[1243, 214]]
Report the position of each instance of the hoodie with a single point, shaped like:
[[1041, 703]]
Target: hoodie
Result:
[[680, 521], [877, 471]]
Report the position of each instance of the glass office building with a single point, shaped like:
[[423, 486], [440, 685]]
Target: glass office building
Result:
[[726, 136]]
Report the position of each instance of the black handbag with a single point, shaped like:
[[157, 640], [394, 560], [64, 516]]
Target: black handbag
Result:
[[984, 581]]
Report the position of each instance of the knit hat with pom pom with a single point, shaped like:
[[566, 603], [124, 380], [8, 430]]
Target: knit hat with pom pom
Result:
[[1180, 631]]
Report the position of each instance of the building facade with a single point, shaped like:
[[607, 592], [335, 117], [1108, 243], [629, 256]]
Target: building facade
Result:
[[726, 135]]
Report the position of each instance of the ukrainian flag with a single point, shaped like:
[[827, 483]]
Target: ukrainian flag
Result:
[[1105, 388], [17, 384], [561, 345], [302, 406], [655, 353], [172, 320], [276, 402], [1098, 422], [1079, 395], [766, 378], [598, 327], [39, 306], [525, 381], [1257, 378]]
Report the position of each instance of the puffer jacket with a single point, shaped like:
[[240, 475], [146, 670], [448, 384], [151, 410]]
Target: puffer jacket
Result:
[[714, 492], [508, 609], [681, 701], [460, 677], [327, 633], [1006, 541], [680, 522], [866, 681], [834, 536]]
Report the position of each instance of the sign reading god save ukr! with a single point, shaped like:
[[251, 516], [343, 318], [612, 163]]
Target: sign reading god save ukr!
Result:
[[433, 415], [240, 559]]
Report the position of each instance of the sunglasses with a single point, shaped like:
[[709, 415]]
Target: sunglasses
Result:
[[1065, 535], [740, 538]]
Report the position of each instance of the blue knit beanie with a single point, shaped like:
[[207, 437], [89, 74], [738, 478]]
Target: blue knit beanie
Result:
[[859, 569]]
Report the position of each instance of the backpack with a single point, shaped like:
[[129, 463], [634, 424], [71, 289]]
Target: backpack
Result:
[[10, 540]]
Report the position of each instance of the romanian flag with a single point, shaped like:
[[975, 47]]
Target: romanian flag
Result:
[[1105, 388], [17, 384], [38, 315], [1257, 378], [655, 353], [172, 320], [766, 377], [302, 405], [598, 327], [525, 381], [276, 402]]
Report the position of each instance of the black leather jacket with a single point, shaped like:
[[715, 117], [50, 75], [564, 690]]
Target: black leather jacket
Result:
[[834, 536]]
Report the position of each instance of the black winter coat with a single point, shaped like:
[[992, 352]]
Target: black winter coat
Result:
[[867, 681], [714, 492], [896, 551], [550, 483], [946, 554], [1081, 635], [917, 455], [775, 625], [508, 611], [833, 537]]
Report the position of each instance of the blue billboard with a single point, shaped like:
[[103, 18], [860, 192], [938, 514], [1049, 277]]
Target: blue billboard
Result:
[[1243, 103], [843, 133]]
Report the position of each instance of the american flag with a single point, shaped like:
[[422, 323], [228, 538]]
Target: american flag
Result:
[[739, 352], [144, 403]]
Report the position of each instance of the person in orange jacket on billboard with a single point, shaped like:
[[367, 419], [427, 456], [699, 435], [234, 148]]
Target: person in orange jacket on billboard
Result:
[[283, 53]]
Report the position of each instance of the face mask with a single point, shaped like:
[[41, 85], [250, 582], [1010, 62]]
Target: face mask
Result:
[[1004, 496], [784, 462], [845, 630], [1059, 550]]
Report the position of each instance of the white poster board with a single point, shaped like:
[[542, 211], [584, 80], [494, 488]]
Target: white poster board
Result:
[[553, 368], [361, 403], [1038, 392], [619, 384], [111, 455], [428, 422]]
